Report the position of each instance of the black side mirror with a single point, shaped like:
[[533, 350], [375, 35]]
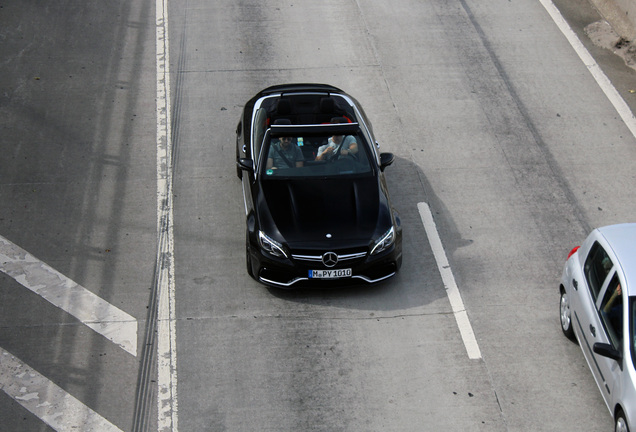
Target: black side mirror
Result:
[[386, 159], [245, 164], [606, 350]]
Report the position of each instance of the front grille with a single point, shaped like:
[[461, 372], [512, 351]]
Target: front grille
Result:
[[318, 258]]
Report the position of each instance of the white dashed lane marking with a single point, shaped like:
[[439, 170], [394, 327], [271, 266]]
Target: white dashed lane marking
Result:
[[455, 298]]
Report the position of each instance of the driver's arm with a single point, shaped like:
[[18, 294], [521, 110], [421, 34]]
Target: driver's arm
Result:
[[352, 149]]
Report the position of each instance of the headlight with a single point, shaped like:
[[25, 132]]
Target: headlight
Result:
[[270, 245], [385, 242]]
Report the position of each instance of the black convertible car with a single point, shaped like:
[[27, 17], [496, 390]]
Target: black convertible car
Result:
[[316, 201]]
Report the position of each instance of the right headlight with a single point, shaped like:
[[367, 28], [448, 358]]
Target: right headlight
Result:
[[385, 242], [270, 245]]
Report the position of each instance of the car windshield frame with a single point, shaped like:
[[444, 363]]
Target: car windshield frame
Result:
[[597, 267], [363, 166], [631, 328]]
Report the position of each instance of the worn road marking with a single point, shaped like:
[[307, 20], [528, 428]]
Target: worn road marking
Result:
[[91, 310], [46, 400], [166, 310], [604, 83], [457, 304]]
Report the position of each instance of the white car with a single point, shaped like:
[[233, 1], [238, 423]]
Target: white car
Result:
[[598, 308]]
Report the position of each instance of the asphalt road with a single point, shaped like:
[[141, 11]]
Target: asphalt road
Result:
[[496, 123]]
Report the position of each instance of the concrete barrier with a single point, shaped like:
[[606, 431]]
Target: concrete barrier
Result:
[[621, 14]]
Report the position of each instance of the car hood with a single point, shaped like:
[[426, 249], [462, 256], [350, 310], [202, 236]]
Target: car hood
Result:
[[305, 212]]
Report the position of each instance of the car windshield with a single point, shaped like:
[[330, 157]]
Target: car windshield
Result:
[[314, 155]]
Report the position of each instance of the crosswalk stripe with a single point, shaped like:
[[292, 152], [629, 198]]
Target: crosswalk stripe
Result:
[[46, 400], [94, 312]]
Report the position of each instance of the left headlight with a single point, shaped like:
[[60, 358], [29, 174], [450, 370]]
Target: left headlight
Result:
[[270, 245], [385, 242]]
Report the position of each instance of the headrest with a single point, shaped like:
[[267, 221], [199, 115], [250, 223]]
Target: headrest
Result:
[[283, 106], [327, 105], [282, 121]]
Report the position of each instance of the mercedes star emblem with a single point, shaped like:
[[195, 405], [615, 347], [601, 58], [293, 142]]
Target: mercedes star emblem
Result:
[[330, 259]]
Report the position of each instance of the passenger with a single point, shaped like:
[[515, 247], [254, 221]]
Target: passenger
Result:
[[284, 154], [616, 294], [337, 145], [613, 310]]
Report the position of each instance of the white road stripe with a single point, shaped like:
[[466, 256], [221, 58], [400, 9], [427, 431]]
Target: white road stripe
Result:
[[604, 83], [457, 304], [166, 311], [46, 400], [91, 310]]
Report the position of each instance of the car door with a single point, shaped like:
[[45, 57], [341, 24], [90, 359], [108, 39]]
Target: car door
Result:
[[601, 281], [610, 312], [587, 287], [252, 151]]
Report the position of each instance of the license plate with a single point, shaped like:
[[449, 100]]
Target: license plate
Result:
[[330, 274]]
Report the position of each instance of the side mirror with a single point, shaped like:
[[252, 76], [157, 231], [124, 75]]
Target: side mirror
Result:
[[606, 350], [245, 164], [386, 159]]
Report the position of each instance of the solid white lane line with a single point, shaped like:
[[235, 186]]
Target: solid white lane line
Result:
[[610, 91], [46, 400], [166, 310], [455, 298], [94, 312]]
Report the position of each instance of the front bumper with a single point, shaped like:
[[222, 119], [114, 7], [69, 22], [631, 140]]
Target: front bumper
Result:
[[294, 272]]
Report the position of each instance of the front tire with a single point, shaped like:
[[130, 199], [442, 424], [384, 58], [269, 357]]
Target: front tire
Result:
[[621, 422], [565, 314], [248, 257], [239, 171]]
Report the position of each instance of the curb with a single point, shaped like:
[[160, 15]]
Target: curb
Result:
[[617, 14]]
